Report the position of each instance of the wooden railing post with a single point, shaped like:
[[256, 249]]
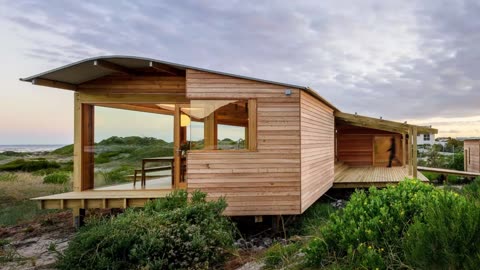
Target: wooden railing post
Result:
[[414, 150], [404, 150], [409, 150]]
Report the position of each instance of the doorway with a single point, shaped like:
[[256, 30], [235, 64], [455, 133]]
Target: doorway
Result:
[[381, 153]]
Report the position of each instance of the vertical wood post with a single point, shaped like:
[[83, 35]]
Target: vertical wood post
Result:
[[77, 144], [465, 163], [83, 151], [404, 150], [252, 124], [78, 217], [177, 162], [409, 150], [414, 150], [209, 132], [246, 138]]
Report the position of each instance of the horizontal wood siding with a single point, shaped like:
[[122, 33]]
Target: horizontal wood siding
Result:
[[261, 182], [128, 84], [317, 149], [472, 158]]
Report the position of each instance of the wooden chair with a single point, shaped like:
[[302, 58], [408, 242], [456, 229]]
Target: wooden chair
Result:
[[151, 169]]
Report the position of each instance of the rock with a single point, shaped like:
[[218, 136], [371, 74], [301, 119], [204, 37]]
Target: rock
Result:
[[252, 266], [267, 241], [258, 248], [241, 243], [338, 204]]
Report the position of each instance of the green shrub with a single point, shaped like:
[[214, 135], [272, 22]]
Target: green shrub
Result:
[[67, 166], [280, 256], [8, 177], [375, 219], [313, 219], [67, 150], [170, 233], [56, 178], [447, 236], [28, 165], [107, 156], [118, 175], [472, 190]]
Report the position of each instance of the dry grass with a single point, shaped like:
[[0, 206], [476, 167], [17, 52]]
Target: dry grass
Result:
[[16, 190]]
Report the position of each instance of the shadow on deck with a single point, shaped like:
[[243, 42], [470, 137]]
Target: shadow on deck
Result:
[[364, 177]]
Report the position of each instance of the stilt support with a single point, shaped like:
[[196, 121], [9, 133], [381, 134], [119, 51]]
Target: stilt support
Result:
[[78, 217]]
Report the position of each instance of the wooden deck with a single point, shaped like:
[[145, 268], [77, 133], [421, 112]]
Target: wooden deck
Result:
[[448, 172], [364, 177], [92, 199], [158, 182]]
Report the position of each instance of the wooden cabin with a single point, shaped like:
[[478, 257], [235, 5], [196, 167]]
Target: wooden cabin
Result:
[[296, 145], [471, 150]]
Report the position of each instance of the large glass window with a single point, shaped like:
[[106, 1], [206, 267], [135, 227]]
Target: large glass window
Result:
[[213, 124], [124, 138], [225, 123]]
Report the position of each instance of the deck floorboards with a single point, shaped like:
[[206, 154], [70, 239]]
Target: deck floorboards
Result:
[[353, 177]]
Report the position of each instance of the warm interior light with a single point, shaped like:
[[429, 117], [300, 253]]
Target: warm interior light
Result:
[[184, 120]]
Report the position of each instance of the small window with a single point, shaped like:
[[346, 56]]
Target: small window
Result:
[[426, 137]]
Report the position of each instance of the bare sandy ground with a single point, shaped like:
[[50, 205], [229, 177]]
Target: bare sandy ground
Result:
[[35, 245]]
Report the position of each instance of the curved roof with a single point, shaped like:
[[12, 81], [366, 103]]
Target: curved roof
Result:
[[83, 71]]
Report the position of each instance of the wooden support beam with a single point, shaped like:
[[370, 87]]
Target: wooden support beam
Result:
[[136, 108], [381, 123], [414, 150], [404, 150], [210, 132], [83, 152], [246, 138], [113, 67], [252, 124], [370, 125], [409, 150], [77, 144], [78, 217], [55, 84], [165, 68], [131, 98]]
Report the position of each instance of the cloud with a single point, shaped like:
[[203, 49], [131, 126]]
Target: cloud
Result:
[[405, 60]]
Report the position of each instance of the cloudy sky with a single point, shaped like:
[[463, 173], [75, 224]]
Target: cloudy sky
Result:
[[402, 60]]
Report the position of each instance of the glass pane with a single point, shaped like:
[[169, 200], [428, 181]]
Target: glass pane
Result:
[[126, 138], [217, 124]]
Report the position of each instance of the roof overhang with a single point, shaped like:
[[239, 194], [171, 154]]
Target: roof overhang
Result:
[[380, 124], [70, 76]]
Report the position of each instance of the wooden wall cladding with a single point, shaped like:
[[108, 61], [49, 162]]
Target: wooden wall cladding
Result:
[[261, 182], [317, 148], [472, 158], [355, 145]]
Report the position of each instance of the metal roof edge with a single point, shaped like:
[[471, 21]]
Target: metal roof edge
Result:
[[181, 66]]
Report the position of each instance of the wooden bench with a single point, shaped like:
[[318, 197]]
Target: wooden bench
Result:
[[151, 169]]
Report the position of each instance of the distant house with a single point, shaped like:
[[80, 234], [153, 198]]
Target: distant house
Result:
[[296, 144], [428, 138], [471, 150]]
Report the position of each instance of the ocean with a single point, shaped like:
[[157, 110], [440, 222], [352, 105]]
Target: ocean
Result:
[[30, 147]]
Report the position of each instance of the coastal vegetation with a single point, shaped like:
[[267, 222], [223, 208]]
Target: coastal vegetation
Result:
[[171, 233], [409, 226]]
